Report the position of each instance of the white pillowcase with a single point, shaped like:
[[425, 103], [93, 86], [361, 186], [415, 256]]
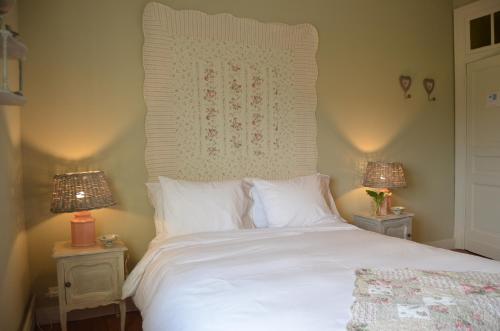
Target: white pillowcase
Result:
[[258, 213], [191, 207], [294, 202], [327, 194], [156, 200]]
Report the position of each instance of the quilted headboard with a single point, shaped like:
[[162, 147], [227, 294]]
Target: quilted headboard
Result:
[[228, 97]]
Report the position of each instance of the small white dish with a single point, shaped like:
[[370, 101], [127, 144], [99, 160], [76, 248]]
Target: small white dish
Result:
[[108, 239], [398, 210]]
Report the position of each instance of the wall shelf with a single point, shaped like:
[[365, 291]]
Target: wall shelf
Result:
[[11, 99]]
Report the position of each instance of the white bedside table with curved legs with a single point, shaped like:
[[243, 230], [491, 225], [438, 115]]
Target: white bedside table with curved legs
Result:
[[89, 277], [393, 225]]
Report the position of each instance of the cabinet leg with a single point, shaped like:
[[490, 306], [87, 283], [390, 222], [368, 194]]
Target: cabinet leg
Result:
[[123, 315], [117, 311], [63, 320]]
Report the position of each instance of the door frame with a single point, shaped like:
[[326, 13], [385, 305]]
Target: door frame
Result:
[[463, 56]]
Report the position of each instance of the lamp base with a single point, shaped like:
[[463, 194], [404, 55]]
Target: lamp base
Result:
[[83, 229]]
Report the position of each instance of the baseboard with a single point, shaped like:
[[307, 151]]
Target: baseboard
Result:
[[49, 314], [28, 324], [448, 243]]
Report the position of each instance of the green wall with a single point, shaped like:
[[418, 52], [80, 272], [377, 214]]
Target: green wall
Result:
[[86, 109], [15, 286], [460, 3]]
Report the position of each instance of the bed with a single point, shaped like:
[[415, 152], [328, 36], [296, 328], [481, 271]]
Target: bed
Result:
[[271, 279], [231, 101]]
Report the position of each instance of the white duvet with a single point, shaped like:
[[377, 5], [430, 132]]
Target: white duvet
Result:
[[270, 279]]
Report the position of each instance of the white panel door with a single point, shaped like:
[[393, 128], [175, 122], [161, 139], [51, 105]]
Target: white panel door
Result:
[[482, 232]]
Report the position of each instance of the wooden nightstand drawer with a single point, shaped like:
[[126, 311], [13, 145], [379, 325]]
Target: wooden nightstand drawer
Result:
[[399, 226]]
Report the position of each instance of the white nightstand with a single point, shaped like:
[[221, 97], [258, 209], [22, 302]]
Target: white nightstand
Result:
[[89, 277], [392, 225]]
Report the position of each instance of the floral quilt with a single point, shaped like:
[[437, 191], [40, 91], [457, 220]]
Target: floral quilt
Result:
[[405, 299]]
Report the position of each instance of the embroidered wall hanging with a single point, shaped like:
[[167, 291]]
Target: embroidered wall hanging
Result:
[[228, 97]]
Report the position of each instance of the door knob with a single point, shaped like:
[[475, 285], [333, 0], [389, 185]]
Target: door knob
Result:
[[67, 284]]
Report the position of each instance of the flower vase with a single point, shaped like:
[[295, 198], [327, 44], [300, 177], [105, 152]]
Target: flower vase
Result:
[[380, 210]]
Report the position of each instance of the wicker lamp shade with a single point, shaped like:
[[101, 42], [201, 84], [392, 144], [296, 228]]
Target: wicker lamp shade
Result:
[[80, 191], [384, 175]]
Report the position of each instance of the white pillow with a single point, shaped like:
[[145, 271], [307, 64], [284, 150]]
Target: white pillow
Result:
[[156, 200], [294, 202], [191, 207], [258, 213], [327, 194]]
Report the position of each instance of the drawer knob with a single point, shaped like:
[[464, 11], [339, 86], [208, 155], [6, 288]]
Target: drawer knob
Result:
[[408, 235], [67, 284]]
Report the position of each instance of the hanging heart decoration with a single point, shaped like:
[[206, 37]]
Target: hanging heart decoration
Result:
[[405, 82], [429, 84]]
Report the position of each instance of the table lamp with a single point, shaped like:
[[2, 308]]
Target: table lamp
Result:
[[384, 176], [80, 192]]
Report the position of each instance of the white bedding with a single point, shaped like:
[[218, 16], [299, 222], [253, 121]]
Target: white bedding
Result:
[[270, 279]]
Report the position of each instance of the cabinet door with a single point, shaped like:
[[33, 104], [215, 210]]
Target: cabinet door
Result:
[[90, 280], [400, 229]]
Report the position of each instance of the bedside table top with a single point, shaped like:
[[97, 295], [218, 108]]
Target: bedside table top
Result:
[[64, 249], [385, 217]]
